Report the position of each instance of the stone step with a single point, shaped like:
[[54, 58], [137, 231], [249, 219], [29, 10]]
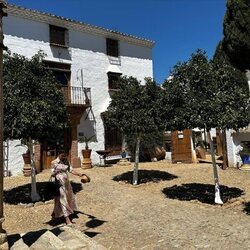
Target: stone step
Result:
[[58, 238], [70, 240], [19, 245], [48, 241], [91, 244]]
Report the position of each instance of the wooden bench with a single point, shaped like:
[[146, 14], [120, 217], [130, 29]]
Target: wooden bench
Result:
[[114, 158]]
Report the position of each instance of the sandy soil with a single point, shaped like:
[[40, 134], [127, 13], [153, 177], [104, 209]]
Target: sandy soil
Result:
[[122, 216]]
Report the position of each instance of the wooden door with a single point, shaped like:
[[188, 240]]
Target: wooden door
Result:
[[219, 148], [50, 149], [181, 146], [50, 155]]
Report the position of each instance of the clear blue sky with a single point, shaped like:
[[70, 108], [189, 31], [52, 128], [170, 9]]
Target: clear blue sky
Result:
[[178, 27]]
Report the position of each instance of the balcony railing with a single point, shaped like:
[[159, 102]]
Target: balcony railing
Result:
[[76, 95]]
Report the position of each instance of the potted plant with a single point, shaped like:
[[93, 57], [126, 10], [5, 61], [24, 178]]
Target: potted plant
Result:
[[86, 153], [245, 152]]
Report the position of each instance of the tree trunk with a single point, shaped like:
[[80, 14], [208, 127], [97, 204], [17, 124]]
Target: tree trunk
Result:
[[124, 146], [34, 195], [137, 150], [217, 199], [224, 150]]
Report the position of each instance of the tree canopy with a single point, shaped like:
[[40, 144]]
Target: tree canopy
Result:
[[206, 94], [33, 103], [236, 29], [135, 108]]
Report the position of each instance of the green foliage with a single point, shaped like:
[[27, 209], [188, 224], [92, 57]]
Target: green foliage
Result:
[[33, 103], [206, 95], [135, 108], [147, 145], [232, 96], [220, 54], [187, 95], [245, 148], [236, 41], [86, 140]]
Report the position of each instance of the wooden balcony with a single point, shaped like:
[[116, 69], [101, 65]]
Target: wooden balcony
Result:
[[77, 100], [76, 96]]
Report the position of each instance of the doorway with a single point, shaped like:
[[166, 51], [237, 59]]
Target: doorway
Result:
[[51, 148]]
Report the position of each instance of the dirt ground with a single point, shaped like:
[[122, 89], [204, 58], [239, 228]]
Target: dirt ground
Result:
[[174, 213]]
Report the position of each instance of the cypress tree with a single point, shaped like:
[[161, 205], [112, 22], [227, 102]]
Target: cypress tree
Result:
[[236, 29]]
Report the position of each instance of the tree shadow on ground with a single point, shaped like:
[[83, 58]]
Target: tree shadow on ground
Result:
[[21, 194], [201, 192], [145, 176], [247, 208]]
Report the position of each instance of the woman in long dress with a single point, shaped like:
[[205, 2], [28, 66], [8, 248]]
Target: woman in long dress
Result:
[[65, 203]]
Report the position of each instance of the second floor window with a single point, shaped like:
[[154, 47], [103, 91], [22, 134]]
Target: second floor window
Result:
[[61, 71], [113, 80], [57, 36], [112, 47]]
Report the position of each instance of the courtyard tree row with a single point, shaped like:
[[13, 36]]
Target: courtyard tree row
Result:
[[199, 94]]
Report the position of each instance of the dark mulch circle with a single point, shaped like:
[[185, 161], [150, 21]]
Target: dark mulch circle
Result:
[[201, 192], [21, 194], [145, 176]]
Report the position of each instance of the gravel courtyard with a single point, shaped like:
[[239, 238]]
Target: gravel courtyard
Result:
[[174, 213]]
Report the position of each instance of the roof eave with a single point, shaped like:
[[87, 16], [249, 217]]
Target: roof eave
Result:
[[76, 25]]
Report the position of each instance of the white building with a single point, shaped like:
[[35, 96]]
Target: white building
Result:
[[236, 138], [86, 60]]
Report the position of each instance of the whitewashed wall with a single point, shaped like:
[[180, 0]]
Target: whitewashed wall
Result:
[[86, 52], [234, 140], [233, 147]]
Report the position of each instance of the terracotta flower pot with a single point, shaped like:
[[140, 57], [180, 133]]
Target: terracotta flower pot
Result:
[[86, 163], [26, 158]]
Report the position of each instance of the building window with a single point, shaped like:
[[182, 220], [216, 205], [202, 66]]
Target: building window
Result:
[[58, 36], [61, 71], [113, 139], [113, 80], [112, 47]]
